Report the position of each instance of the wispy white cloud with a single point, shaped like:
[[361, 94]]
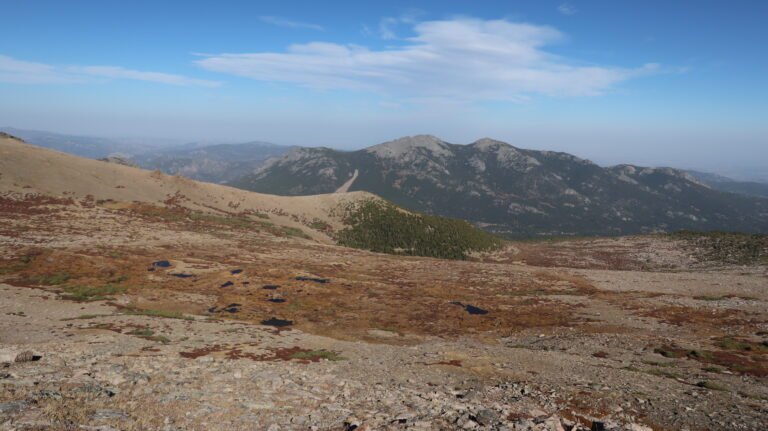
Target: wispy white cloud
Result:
[[122, 73], [282, 22], [566, 9], [365, 30], [463, 59], [387, 28], [26, 72], [8, 64], [388, 25]]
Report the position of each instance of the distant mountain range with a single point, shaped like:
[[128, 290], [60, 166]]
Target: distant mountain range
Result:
[[212, 163], [506, 190], [84, 146], [719, 182], [216, 163], [511, 191]]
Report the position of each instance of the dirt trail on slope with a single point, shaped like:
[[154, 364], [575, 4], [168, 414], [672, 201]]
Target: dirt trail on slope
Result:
[[26, 169], [345, 187]]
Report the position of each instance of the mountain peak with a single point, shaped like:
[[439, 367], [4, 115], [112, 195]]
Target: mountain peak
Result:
[[405, 145], [488, 143]]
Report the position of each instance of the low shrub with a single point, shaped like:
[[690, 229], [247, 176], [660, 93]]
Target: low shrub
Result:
[[383, 227]]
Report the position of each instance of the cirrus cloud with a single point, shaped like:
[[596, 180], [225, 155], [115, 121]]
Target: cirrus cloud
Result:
[[123, 73], [282, 22], [16, 71], [464, 59], [27, 72], [566, 9]]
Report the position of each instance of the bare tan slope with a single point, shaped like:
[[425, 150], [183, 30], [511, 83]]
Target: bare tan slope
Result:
[[25, 169]]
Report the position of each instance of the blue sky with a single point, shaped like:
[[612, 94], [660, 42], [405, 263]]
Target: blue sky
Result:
[[679, 83]]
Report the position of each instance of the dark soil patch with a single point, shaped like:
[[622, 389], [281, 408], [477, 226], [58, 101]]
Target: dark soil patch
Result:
[[277, 322], [316, 280], [471, 309]]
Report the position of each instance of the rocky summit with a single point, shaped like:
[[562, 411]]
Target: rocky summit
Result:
[[514, 192]]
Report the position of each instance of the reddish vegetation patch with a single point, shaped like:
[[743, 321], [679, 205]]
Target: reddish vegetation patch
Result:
[[46, 267], [594, 259], [236, 352], [582, 416], [578, 285], [274, 355], [590, 405], [203, 351], [740, 363], [361, 294], [585, 254], [697, 317], [740, 360], [513, 416], [31, 204], [573, 417]]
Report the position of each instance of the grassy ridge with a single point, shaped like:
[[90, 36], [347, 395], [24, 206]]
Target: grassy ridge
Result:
[[386, 228]]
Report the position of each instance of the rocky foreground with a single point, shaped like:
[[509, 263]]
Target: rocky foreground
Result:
[[102, 372]]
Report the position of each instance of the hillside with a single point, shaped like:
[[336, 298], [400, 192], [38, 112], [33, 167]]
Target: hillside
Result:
[[511, 191], [26, 169]]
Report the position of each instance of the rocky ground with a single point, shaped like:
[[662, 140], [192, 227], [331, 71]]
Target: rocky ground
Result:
[[140, 320]]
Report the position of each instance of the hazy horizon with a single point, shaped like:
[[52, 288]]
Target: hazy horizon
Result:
[[645, 83], [753, 172]]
